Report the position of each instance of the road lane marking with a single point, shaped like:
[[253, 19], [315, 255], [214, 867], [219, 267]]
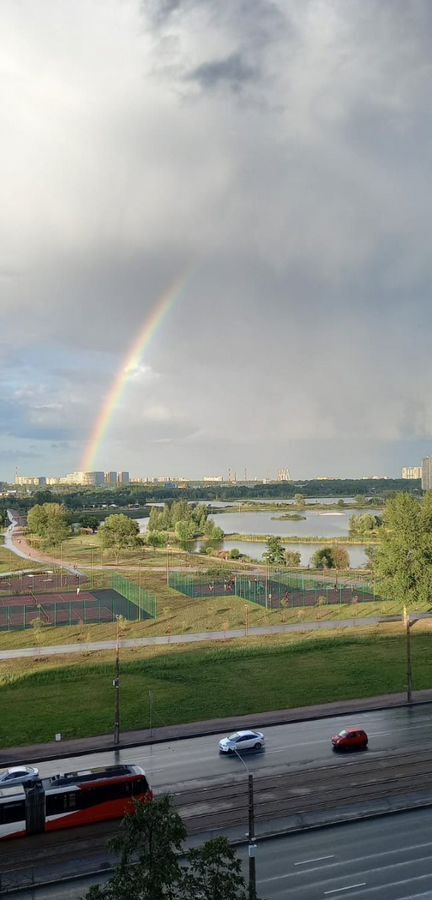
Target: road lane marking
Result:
[[349, 887], [304, 862]]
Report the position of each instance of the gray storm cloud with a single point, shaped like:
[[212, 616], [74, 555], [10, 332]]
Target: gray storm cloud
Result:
[[279, 152]]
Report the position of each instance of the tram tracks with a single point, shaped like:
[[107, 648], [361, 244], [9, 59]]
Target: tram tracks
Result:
[[216, 806]]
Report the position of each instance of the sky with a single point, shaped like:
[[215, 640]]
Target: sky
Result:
[[271, 155]]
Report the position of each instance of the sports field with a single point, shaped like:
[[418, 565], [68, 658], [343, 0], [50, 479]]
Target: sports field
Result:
[[57, 599]]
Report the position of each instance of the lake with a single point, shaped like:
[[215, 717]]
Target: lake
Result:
[[334, 524]]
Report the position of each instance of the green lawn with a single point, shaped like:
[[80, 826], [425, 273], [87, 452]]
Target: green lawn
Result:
[[40, 697], [10, 562]]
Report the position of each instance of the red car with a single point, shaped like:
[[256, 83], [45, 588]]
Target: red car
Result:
[[350, 739]]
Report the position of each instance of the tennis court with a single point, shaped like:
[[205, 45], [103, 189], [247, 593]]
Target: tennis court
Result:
[[76, 601]]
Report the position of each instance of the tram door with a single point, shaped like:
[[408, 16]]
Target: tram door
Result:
[[35, 807]]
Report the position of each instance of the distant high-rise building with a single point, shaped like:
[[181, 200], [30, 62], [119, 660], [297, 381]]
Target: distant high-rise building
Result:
[[284, 475], [411, 472], [95, 479], [427, 473], [111, 478], [123, 478]]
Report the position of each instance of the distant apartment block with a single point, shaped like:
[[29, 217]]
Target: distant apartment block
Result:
[[85, 478], [217, 478], [111, 478], [427, 473], [411, 472], [123, 478], [33, 480]]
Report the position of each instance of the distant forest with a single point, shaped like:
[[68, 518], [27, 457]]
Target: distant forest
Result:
[[141, 494]]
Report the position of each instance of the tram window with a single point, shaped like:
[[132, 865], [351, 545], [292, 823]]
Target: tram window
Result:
[[12, 812], [58, 803], [69, 801]]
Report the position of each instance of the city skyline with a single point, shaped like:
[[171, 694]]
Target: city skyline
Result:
[[215, 237]]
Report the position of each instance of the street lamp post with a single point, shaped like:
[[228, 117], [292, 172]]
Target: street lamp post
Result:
[[116, 685], [251, 831]]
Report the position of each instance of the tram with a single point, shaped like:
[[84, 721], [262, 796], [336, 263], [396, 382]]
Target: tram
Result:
[[71, 800]]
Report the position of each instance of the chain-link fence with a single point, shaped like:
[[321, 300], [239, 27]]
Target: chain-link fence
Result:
[[101, 600], [277, 589]]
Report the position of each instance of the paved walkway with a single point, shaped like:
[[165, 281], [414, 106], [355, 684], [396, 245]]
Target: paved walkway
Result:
[[229, 634], [104, 742]]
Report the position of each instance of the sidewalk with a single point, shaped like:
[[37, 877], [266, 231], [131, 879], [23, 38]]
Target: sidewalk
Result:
[[100, 743]]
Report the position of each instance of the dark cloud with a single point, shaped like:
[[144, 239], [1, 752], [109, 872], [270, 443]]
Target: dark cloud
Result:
[[233, 71]]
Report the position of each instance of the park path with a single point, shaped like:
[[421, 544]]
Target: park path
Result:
[[164, 639]]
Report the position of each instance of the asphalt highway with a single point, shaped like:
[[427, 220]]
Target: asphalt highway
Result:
[[294, 745], [388, 858]]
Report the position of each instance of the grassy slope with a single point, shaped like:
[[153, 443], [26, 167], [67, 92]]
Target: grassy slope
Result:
[[9, 562], [204, 682], [179, 615]]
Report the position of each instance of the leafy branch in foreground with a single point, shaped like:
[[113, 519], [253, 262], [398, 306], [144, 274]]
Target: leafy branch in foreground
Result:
[[154, 865]]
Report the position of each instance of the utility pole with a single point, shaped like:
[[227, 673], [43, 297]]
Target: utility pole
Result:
[[251, 831], [251, 839], [116, 685]]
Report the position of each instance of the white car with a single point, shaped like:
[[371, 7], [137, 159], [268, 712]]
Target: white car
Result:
[[242, 740], [17, 775]]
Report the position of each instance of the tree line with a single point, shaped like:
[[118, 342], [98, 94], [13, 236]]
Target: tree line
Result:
[[180, 521]]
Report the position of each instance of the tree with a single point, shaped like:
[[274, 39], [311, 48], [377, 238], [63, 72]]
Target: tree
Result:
[[322, 558], [365, 524], [37, 520], [403, 563], [156, 538], [119, 532], [340, 557], [234, 553], [213, 532], [214, 873], [150, 844], [275, 553], [50, 522], [152, 838], [185, 531], [89, 521], [292, 558], [370, 553], [299, 500]]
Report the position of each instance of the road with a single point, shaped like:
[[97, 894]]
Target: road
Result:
[[380, 859], [293, 745]]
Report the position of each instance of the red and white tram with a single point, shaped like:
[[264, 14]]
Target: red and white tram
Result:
[[71, 800]]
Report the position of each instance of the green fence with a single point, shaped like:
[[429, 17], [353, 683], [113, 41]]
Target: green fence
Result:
[[143, 600], [198, 587], [278, 589], [99, 600]]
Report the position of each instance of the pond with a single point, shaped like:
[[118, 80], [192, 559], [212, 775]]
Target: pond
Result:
[[334, 524], [317, 524]]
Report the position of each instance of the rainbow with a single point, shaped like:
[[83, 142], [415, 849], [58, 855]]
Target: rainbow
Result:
[[130, 365]]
